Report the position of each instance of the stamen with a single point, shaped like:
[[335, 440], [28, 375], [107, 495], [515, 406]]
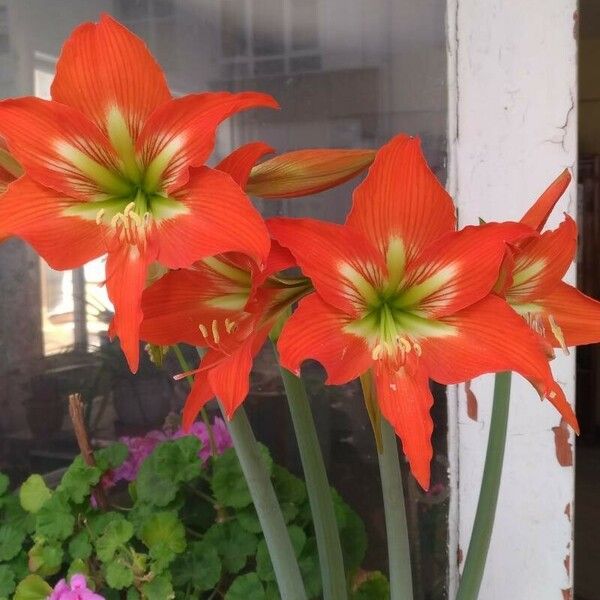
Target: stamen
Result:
[[377, 352], [417, 348], [99, 216], [229, 325], [215, 331], [203, 330], [558, 334]]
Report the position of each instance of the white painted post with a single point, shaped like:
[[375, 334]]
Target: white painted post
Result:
[[513, 124]]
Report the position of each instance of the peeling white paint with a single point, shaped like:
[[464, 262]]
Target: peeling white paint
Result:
[[512, 128]]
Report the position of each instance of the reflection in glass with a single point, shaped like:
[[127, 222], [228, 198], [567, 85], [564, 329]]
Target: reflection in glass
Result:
[[347, 73]]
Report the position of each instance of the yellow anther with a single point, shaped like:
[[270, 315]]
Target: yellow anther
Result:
[[552, 395], [215, 331], [203, 330], [377, 352], [417, 348], [129, 208], [558, 334], [99, 216], [404, 343], [229, 325]]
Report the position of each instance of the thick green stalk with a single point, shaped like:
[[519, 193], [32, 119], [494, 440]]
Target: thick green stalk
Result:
[[267, 508], [401, 586], [472, 575], [317, 484]]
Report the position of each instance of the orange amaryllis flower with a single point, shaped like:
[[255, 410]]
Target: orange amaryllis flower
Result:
[[224, 304], [399, 292], [532, 280], [114, 164]]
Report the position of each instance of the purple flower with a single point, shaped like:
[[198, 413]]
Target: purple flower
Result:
[[200, 430], [76, 589]]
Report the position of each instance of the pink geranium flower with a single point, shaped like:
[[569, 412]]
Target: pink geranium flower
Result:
[[76, 589]]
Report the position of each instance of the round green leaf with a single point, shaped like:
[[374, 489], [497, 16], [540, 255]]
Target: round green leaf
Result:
[[159, 588], [117, 532], [4, 483], [374, 587], [11, 540], [54, 519], [118, 576], [33, 587], [245, 587], [34, 493], [199, 567], [80, 546], [46, 559], [7, 581]]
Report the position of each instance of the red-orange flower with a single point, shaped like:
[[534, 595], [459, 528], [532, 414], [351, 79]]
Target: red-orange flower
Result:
[[532, 282], [114, 164], [400, 292]]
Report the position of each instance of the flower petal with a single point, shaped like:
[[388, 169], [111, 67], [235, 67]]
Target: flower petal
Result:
[[405, 401], [303, 172], [219, 218], [577, 315], [200, 394], [103, 68], [401, 199], [60, 148], [126, 271], [230, 378], [36, 214], [459, 269], [181, 134], [343, 265], [541, 263], [239, 163], [538, 214], [489, 337], [178, 303], [316, 331]]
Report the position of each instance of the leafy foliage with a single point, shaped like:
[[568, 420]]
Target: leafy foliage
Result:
[[187, 527]]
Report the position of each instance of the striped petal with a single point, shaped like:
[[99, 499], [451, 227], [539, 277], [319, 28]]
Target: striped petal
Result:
[[316, 331], [60, 148], [401, 199], [344, 266], [108, 73], [181, 134], [240, 162], [538, 214]]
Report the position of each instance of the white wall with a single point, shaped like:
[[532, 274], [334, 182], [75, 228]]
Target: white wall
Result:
[[513, 128]]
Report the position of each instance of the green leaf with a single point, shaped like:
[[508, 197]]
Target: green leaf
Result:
[[11, 540], [200, 566], [164, 535], [45, 559], [15, 515], [245, 587], [264, 567], [272, 591], [310, 569], [78, 566], [33, 587], [170, 464], [117, 532], [288, 487], [80, 546], [4, 483], [118, 575], [78, 480], [228, 483], [233, 544], [353, 535], [159, 588], [34, 493], [111, 457], [54, 519], [248, 519], [132, 594], [374, 587], [7, 581], [19, 565]]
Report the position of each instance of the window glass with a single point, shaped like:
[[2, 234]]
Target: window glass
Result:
[[347, 73]]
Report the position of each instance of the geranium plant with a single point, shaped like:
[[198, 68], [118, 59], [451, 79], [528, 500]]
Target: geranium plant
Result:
[[397, 295]]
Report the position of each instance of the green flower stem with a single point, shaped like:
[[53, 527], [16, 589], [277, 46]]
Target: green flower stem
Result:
[[285, 564], [401, 586], [331, 560], [203, 414], [472, 575]]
